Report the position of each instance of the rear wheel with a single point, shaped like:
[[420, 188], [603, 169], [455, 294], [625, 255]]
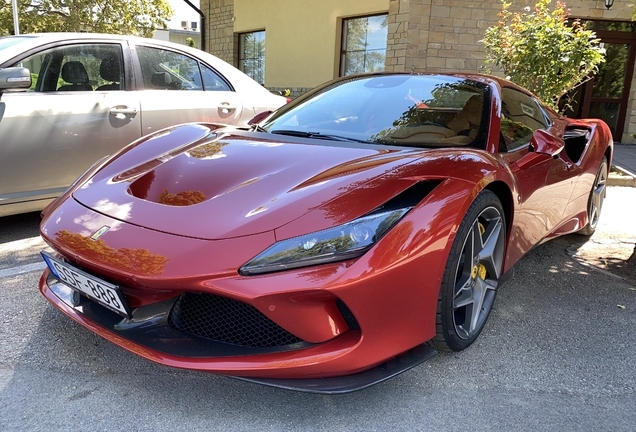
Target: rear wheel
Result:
[[595, 201], [472, 274]]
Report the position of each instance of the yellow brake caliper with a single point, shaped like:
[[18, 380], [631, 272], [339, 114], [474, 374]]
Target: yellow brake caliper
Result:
[[482, 269]]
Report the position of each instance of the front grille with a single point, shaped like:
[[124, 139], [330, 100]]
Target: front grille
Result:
[[225, 320]]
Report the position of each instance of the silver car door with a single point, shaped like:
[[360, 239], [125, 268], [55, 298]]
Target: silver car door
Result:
[[54, 132], [176, 92]]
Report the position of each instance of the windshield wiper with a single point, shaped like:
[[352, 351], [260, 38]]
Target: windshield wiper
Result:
[[316, 135]]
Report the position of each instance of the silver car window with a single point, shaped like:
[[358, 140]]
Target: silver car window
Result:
[[212, 81], [77, 67], [168, 70]]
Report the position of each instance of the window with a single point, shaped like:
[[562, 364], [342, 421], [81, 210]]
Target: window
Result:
[[363, 44], [521, 115], [168, 70], [252, 55], [81, 67]]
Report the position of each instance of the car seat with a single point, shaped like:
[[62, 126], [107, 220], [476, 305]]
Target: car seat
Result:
[[75, 73], [110, 70], [467, 122]]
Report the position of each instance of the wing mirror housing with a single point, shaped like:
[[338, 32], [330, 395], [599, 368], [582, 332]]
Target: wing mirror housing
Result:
[[14, 79], [542, 144], [546, 143]]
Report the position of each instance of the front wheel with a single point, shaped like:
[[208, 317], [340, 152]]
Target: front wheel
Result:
[[595, 201], [472, 274]]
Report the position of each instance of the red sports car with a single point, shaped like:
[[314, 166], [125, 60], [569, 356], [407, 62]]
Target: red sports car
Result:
[[337, 243]]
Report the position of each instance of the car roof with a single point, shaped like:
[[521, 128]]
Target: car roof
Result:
[[32, 40]]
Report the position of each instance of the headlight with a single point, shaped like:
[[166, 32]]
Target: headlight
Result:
[[344, 242]]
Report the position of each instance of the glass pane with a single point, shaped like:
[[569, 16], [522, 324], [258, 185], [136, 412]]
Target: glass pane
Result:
[[610, 78], [168, 70], [377, 32], [252, 55], [364, 44], [353, 63], [606, 111], [84, 70], [617, 26], [375, 61], [213, 81]]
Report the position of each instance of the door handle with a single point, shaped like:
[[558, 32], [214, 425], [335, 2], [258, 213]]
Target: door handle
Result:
[[121, 112], [226, 108]]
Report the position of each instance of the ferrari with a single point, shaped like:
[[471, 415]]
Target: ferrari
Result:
[[332, 244]]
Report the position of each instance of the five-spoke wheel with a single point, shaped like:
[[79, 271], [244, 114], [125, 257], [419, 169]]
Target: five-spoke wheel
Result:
[[595, 201], [472, 274]]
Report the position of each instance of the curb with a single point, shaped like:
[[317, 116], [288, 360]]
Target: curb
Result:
[[626, 179]]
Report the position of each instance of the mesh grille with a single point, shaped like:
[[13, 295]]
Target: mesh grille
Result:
[[351, 321], [226, 320]]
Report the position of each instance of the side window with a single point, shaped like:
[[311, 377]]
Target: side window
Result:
[[79, 67], [168, 70], [521, 115], [212, 81]]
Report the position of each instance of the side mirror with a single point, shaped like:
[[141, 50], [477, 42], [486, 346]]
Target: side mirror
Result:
[[541, 144], [545, 143], [14, 79]]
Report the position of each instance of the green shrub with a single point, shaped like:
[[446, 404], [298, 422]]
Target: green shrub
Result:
[[542, 51]]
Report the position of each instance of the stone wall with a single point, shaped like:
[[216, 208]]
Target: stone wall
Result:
[[438, 35], [221, 40], [294, 92]]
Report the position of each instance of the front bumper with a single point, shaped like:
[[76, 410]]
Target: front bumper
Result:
[[150, 334], [389, 301]]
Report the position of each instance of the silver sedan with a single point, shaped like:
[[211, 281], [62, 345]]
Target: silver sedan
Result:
[[92, 94]]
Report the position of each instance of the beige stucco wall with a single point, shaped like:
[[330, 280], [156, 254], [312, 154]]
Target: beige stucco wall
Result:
[[302, 41]]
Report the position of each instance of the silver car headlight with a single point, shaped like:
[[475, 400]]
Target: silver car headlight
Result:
[[340, 243]]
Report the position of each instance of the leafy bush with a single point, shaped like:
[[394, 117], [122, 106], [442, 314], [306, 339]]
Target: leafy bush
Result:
[[542, 51]]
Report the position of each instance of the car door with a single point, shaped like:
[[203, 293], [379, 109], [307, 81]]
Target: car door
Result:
[[544, 183], [180, 89], [76, 112]]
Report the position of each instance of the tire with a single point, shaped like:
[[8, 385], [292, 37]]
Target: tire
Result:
[[472, 275], [595, 201]]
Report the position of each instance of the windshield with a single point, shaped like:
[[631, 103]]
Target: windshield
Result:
[[412, 110], [9, 41]]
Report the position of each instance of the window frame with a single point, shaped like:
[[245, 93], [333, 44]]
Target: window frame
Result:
[[53, 76], [200, 65], [242, 58], [343, 42]]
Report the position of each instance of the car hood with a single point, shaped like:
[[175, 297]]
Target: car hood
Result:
[[201, 181]]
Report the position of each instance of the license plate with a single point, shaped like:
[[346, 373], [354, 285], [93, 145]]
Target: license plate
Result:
[[102, 292]]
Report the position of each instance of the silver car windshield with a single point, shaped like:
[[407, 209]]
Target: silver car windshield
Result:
[[410, 110]]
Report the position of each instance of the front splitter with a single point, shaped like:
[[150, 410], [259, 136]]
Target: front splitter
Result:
[[351, 383]]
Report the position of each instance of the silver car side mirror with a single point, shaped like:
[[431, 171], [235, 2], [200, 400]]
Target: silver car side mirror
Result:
[[14, 79]]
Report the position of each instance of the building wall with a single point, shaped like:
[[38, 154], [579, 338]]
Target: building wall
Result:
[[301, 52], [221, 39], [303, 36]]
